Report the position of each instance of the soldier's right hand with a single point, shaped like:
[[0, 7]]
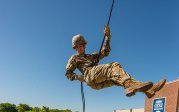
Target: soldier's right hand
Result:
[[73, 77], [81, 78]]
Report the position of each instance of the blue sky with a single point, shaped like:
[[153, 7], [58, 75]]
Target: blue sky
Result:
[[35, 44]]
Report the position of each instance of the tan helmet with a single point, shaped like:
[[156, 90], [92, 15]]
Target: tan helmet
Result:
[[78, 40]]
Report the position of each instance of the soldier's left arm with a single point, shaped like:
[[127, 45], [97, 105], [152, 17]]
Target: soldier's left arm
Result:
[[106, 48]]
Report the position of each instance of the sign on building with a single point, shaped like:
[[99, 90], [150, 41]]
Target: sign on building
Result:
[[159, 105]]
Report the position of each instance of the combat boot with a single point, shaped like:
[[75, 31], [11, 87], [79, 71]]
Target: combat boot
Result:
[[132, 86], [156, 87]]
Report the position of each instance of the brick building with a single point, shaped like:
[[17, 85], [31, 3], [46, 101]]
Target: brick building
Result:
[[165, 100], [168, 99]]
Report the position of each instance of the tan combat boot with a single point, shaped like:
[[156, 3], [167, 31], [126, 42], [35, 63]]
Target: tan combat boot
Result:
[[132, 86], [156, 87]]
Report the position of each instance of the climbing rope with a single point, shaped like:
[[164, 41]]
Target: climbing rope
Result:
[[83, 97], [82, 91], [109, 18]]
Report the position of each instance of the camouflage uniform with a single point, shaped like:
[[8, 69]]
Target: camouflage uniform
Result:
[[105, 75], [97, 76]]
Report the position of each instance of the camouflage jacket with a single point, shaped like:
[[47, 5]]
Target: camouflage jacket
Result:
[[83, 61]]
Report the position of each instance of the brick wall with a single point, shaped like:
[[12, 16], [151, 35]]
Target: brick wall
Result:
[[171, 92]]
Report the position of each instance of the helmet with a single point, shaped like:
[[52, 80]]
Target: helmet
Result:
[[78, 40]]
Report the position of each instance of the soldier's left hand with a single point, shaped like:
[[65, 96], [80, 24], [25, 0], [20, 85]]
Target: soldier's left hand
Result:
[[107, 32]]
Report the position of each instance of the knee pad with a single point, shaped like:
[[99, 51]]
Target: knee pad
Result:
[[114, 64]]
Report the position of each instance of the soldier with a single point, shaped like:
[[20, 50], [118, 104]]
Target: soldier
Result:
[[104, 75]]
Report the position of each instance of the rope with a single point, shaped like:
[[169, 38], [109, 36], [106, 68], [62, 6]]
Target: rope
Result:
[[83, 97], [109, 18], [82, 91]]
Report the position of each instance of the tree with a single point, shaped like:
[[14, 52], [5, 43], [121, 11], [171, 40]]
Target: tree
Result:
[[45, 109], [7, 107], [36, 109], [23, 108], [57, 110]]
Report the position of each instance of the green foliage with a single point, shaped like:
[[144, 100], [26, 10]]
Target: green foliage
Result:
[[56, 110], [7, 107], [36, 109], [23, 108], [45, 109]]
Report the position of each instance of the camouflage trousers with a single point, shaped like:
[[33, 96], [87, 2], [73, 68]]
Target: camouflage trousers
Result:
[[105, 75]]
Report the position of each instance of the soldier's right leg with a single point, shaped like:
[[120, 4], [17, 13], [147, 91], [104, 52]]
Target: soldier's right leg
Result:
[[121, 78], [102, 85]]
